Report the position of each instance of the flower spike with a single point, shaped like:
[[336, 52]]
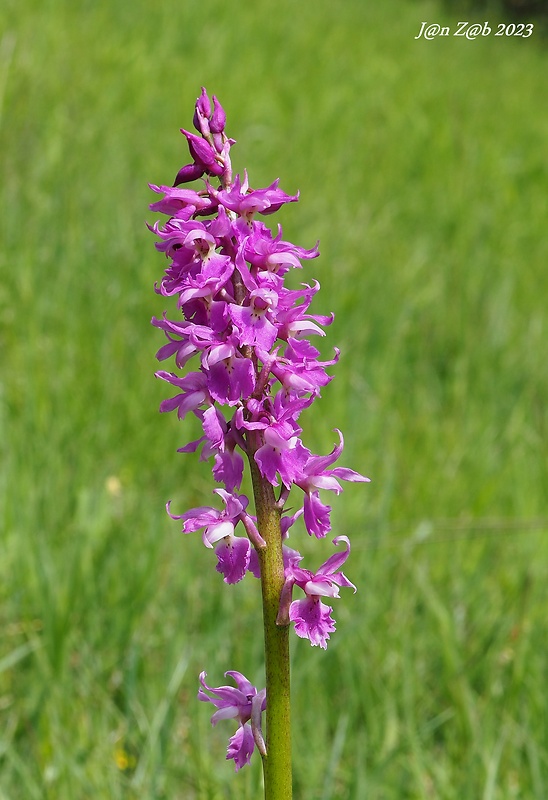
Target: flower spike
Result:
[[245, 366]]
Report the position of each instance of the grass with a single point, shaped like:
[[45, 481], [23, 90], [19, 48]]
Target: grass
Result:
[[421, 170]]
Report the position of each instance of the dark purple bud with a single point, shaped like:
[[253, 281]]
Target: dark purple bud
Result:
[[189, 173], [204, 154], [200, 150], [218, 120], [202, 111]]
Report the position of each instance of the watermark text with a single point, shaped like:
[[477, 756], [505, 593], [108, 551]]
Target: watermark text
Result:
[[472, 30]]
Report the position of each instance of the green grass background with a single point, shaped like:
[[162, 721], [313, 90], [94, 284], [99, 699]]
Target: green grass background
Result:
[[422, 170]]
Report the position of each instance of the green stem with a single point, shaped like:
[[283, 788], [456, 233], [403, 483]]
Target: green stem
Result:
[[277, 761]]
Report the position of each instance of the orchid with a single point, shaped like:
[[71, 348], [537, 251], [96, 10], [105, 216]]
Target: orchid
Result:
[[233, 552], [243, 703], [255, 371], [313, 618]]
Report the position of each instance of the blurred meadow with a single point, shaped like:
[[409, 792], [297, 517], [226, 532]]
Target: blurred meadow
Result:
[[422, 170]]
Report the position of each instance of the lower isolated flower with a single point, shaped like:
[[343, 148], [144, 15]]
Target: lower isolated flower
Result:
[[243, 703]]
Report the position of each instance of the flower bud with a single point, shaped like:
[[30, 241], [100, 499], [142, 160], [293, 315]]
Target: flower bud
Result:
[[218, 119], [202, 112]]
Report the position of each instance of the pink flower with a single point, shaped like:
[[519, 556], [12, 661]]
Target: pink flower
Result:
[[312, 618], [232, 552], [315, 476], [247, 202], [243, 703]]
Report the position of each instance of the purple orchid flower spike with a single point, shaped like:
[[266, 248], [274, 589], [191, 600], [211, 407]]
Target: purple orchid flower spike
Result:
[[313, 618], [255, 371], [244, 703]]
